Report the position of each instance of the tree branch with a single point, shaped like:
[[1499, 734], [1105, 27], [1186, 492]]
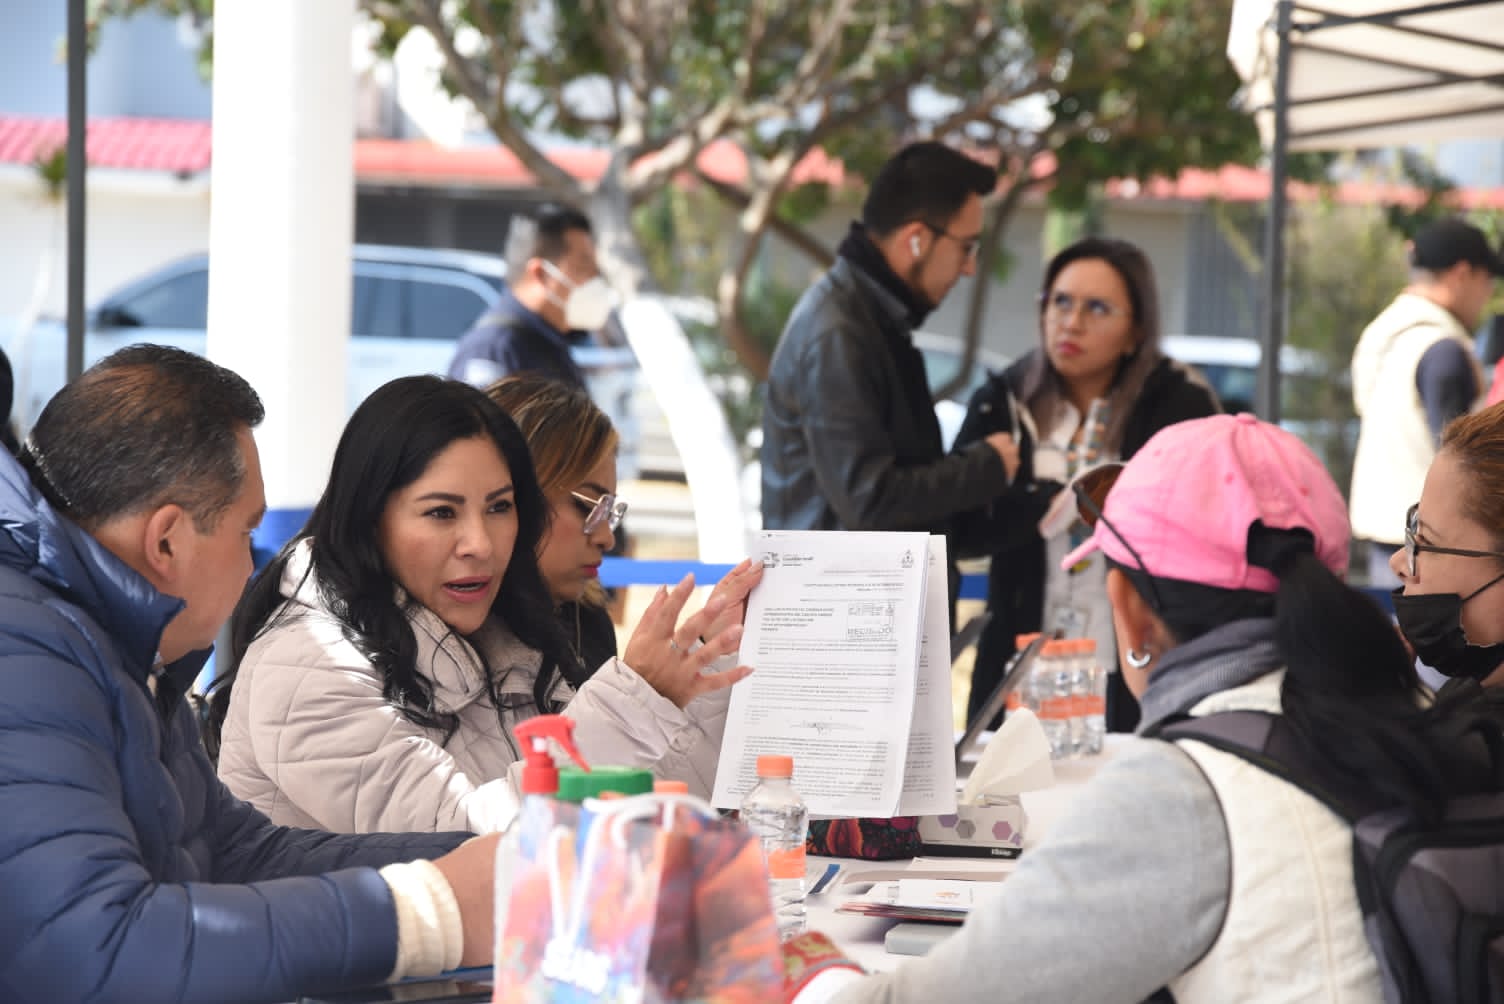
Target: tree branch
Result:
[[753, 222], [680, 151], [428, 13], [790, 232], [819, 59], [986, 104], [987, 252]]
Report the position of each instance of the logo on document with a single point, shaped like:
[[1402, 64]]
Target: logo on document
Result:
[[908, 559]]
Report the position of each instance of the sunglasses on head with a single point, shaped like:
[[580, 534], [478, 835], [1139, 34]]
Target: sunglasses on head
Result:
[[1092, 489]]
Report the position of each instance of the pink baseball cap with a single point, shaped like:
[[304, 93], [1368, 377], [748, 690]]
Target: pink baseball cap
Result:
[[1186, 500]]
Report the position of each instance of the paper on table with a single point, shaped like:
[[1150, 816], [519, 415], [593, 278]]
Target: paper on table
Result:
[[833, 633], [946, 895], [934, 894], [960, 869], [929, 781]]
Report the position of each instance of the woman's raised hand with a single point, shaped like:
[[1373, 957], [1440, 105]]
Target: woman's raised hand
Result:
[[662, 650], [732, 592]]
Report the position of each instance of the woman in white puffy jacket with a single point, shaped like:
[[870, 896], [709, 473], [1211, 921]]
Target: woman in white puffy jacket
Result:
[[386, 653]]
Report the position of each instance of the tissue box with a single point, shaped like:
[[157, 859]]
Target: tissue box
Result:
[[980, 831]]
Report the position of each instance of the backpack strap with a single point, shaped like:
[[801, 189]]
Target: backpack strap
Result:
[[1264, 740]]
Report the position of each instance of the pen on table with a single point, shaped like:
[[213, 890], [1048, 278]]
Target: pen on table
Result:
[[831, 871]]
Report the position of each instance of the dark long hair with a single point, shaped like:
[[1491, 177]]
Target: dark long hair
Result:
[[1351, 697], [387, 445], [1043, 390]]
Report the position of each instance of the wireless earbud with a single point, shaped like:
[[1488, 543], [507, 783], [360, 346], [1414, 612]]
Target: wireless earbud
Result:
[[914, 245]]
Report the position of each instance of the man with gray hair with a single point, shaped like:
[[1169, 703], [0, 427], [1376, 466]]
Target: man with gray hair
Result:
[[130, 872], [555, 299]]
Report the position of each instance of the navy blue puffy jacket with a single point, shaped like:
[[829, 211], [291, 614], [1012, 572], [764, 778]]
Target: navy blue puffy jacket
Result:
[[129, 873]]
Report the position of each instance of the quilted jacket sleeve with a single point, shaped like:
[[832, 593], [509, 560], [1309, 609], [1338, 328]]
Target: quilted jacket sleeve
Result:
[[248, 847], [86, 920], [620, 719], [336, 749]]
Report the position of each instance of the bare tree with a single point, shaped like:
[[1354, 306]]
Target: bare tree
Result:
[[1103, 87]]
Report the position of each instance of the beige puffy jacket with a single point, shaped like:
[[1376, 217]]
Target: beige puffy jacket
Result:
[[311, 741]]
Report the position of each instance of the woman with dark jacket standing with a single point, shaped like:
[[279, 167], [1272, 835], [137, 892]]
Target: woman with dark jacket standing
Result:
[[1095, 390]]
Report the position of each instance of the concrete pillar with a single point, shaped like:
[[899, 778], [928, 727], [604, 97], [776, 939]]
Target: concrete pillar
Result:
[[281, 224]]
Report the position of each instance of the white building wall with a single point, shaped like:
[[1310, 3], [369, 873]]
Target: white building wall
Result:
[[137, 221]]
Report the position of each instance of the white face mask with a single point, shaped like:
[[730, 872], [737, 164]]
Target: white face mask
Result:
[[589, 303]]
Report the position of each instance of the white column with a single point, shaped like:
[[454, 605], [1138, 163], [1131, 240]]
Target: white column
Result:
[[281, 224]]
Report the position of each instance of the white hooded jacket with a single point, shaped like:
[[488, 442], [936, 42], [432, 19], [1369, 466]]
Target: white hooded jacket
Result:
[[311, 741]]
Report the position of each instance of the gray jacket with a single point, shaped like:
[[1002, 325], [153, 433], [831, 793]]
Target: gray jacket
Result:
[[850, 440], [1129, 887]]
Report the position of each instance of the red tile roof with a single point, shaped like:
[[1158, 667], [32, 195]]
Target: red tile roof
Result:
[[177, 145], [418, 160], [396, 160], [1247, 184], [183, 146]]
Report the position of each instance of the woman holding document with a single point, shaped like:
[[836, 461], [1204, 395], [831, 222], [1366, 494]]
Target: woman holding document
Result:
[[1181, 864], [1095, 390], [386, 653]]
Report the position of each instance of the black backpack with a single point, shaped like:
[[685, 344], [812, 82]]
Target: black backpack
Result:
[[1432, 896]]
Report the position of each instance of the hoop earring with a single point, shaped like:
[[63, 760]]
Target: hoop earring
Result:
[[1137, 659]]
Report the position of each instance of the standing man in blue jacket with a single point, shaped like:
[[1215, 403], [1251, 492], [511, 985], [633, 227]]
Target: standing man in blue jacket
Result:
[[554, 302], [130, 873]]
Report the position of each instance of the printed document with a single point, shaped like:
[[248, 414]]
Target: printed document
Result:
[[834, 632], [929, 780]]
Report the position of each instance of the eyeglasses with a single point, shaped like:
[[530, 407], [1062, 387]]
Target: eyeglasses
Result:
[[607, 509], [1414, 547], [969, 245], [1091, 490], [1096, 310]]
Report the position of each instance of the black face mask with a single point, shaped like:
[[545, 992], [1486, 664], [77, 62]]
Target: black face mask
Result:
[[1432, 624]]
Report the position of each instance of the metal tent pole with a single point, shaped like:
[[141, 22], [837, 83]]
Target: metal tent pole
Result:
[[78, 124], [1273, 301]]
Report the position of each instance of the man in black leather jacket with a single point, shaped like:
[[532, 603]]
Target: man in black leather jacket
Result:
[[850, 438]]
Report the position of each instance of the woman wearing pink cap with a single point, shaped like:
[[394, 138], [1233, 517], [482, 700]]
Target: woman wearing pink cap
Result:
[[1180, 865], [1095, 390]]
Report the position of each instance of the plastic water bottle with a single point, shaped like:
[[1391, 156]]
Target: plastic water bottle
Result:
[[776, 815], [1093, 682], [1022, 695], [1080, 686], [1052, 688], [1088, 453]]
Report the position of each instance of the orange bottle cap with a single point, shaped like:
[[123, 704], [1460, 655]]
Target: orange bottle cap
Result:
[[772, 765]]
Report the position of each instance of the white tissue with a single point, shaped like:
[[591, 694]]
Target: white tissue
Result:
[[1017, 759]]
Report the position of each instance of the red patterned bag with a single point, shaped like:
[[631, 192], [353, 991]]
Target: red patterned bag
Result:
[[870, 839]]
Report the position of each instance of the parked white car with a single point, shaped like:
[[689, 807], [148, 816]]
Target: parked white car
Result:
[[408, 306]]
